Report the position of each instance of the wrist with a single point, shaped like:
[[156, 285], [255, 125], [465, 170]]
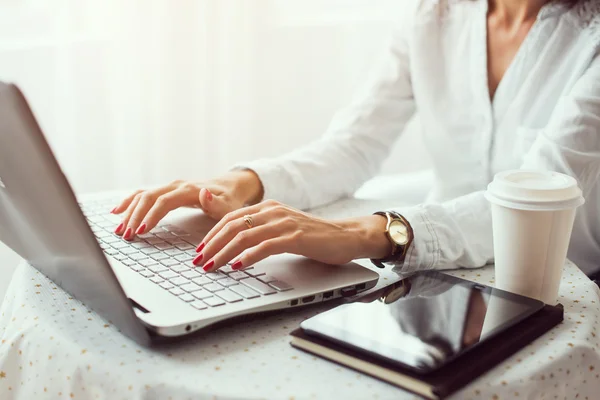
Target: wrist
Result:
[[247, 186], [367, 235]]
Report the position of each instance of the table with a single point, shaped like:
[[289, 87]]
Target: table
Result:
[[52, 347]]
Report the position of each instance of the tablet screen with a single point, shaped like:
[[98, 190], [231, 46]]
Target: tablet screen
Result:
[[425, 322]]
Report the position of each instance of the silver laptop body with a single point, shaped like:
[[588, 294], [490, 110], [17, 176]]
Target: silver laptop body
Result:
[[147, 288]]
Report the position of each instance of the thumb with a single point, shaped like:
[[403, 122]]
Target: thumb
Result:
[[214, 206]]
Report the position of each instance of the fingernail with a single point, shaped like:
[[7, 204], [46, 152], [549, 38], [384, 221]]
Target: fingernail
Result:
[[200, 247], [141, 229], [113, 210], [208, 195], [236, 265], [198, 259], [119, 228], [209, 265], [127, 233]]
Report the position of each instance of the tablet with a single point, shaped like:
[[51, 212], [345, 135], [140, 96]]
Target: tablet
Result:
[[424, 321]]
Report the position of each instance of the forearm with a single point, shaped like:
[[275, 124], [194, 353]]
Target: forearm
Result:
[[366, 237]]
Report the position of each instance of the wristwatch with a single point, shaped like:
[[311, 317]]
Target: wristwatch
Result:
[[400, 235], [396, 291]]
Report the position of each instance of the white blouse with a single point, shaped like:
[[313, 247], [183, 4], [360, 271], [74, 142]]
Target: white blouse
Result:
[[545, 115]]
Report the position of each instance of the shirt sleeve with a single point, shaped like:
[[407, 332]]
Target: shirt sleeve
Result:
[[459, 232], [356, 143]]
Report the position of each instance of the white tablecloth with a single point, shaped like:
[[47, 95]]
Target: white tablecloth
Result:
[[52, 347]]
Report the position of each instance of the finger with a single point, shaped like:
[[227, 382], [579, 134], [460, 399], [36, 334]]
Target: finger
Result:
[[225, 235], [144, 204], [125, 203], [165, 204], [121, 229], [244, 240], [231, 217], [267, 248]]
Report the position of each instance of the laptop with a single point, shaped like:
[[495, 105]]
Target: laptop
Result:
[[147, 288]]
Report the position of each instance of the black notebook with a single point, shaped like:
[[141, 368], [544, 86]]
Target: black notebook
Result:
[[451, 376]]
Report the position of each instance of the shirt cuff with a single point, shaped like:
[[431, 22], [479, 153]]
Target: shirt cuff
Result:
[[424, 251]]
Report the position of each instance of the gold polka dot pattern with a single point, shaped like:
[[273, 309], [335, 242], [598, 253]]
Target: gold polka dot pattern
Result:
[[52, 347]]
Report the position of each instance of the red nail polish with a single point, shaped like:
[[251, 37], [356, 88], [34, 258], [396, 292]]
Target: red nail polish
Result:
[[119, 228], [208, 195], [236, 265], [200, 247], [141, 229], [127, 234], [198, 259], [209, 265]]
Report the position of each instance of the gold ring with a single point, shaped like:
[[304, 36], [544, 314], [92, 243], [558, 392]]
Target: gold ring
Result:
[[249, 221]]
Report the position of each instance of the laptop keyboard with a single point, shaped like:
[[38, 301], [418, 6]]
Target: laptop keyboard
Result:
[[164, 257]]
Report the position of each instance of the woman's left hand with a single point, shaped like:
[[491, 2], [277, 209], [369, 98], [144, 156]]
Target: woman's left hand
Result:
[[278, 229]]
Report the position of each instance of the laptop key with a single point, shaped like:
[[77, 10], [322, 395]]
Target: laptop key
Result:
[[159, 256], [183, 257], [168, 275], [258, 286], [226, 269], [237, 275], [214, 301], [137, 267], [228, 282], [120, 257], [176, 291], [111, 252], [179, 280], [119, 245], [173, 252], [202, 294], [163, 246], [166, 285], [187, 297], [154, 240], [168, 262], [180, 268], [149, 250], [266, 279], [202, 280], [229, 296], [244, 291], [190, 287], [128, 262], [156, 279], [253, 272], [191, 274], [137, 256], [128, 250], [199, 305], [157, 268], [184, 246], [146, 274], [148, 262], [140, 245], [281, 285], [215, 276], [213, 287]]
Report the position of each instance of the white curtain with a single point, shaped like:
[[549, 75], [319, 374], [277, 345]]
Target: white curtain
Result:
[[138, 92]]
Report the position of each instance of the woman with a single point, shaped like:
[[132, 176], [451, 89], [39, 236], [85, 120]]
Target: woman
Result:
[[498, 84]]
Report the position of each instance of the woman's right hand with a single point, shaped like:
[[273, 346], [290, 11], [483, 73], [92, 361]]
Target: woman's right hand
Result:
[[143, 209]]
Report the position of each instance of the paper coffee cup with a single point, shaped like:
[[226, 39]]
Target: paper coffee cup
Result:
[[532, 218]]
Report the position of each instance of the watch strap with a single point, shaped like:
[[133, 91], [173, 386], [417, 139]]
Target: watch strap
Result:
[[398, 251]]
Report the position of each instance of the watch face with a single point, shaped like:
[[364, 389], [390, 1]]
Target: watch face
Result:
[[398, 232]]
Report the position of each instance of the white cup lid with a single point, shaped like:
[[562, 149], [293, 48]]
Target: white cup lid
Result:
[[534, 190]]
